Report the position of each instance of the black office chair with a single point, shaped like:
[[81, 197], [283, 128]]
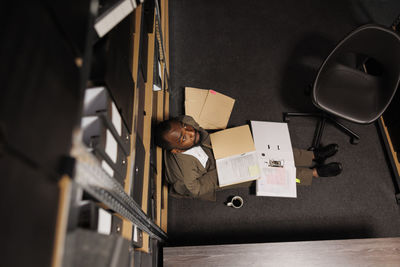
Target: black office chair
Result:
[[357, 80]]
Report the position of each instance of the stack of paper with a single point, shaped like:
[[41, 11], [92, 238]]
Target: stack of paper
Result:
[[210, 109]]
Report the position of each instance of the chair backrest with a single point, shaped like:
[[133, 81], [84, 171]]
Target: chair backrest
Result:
[[360, 76]]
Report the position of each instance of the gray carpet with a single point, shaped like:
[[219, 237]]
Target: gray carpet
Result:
[[265, 54]]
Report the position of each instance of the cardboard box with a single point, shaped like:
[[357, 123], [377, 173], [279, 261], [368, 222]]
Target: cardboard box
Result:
[[235, 156], [210, 109]]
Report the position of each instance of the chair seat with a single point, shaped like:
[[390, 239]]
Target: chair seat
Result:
[[349, 93], [344, 91]]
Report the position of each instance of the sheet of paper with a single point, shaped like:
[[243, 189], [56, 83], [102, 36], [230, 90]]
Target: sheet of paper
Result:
[[198, 153], [116, 119], [276, 182], [104, 222], [237, 169], [111, 146]]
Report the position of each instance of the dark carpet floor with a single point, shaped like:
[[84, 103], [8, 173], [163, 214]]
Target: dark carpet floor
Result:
[[265, 54]]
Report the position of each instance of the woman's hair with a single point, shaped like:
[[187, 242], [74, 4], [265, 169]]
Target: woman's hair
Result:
[[160, 131]]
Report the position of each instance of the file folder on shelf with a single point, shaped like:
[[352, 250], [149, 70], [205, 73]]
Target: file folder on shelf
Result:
[[97, 102], [103, 145], [94, 218], [108, 169], [138, 172]]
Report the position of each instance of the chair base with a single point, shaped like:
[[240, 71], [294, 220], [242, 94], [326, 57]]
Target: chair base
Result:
[[323, 118]]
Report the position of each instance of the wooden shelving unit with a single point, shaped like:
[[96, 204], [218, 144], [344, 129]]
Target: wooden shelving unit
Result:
[[40, 139]]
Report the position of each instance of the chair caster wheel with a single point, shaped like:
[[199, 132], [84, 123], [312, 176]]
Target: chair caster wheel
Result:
[[354, 141], [285, 117]]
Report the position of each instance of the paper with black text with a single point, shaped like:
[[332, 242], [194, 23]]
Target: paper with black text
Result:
[[238, 169]]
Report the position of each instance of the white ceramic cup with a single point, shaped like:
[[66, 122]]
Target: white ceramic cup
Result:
[[236, 202]]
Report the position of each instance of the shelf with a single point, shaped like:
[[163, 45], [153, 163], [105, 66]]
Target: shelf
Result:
[[44, 112]]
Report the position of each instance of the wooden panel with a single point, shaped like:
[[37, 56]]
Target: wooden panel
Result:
[[356, 252], [62, 219], [394, 153], [158, 116], [165, 30], [148, 107], [135, 52], [165, 33], [127, 225], [164, 210]]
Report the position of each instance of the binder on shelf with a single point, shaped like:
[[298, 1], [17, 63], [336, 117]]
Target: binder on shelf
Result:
[[157, 81], [111, 67], [142, 92], [108, 169], [116, 224], [138, 172], [94, 218], [152, 196], [103, 145], [137, 237], [111, 13], [143, 48], [97, 102], [148, 15]]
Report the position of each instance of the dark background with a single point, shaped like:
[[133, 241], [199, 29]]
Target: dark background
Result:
[[265, 54]]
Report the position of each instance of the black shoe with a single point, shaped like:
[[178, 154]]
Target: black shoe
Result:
[[322, 153], [330, 169]]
